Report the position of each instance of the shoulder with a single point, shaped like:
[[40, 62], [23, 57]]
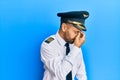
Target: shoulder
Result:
[[49, 41]]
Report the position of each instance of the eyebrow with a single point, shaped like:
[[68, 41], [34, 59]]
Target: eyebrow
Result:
[[76, 31]]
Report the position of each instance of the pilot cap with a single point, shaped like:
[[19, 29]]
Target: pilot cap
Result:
[[77, 18]]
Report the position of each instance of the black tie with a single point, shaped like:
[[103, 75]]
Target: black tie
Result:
[[69, 75]]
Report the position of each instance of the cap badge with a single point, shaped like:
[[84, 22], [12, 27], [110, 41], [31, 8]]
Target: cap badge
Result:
[[85, 15]]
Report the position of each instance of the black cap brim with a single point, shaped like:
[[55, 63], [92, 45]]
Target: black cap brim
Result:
[[80, 27]]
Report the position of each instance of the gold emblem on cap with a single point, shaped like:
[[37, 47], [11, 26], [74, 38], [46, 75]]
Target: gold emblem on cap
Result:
[[85, 15], [74, 22], [79, 25]]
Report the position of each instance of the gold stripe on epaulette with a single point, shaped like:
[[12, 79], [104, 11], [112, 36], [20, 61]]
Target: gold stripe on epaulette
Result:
[[49, 40]]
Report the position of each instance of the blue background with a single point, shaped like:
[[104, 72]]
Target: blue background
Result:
[[24, 24]]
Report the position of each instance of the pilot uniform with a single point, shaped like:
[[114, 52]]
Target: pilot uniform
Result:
[[56, 63]]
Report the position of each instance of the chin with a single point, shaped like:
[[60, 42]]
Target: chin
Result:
[[71, 42]]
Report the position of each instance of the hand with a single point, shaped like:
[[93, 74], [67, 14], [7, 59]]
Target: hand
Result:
[[80, 39]]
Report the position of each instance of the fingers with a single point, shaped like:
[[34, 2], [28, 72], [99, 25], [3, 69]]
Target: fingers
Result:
[[82, 35], [80, 39], [79, 34]]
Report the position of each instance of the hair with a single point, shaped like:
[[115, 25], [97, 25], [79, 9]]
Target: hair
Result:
[[63, 20]]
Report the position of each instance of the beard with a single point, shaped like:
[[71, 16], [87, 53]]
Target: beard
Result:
[[70, 41]]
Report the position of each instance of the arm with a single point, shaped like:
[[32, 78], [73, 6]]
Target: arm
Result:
[[81, 74], [57, 65]]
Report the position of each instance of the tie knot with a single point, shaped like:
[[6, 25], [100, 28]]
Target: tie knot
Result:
[[67, 44]]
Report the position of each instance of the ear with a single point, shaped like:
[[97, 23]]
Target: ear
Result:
[[64, 27]]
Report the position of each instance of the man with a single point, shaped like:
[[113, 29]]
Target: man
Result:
[[61, 53]]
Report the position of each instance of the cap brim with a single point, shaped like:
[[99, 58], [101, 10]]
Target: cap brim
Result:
[[80, 27]]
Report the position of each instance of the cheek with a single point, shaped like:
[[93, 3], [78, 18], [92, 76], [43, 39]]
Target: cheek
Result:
[[70, 35]]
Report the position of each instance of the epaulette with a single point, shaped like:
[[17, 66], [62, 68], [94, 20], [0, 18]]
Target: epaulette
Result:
[[49, 40]]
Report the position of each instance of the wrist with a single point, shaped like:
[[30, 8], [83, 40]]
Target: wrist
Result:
[[77, 45]]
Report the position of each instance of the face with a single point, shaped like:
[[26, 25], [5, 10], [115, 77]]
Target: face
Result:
[[70, 33]]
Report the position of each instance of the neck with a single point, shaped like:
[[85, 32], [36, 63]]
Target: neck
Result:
[[61, 34]]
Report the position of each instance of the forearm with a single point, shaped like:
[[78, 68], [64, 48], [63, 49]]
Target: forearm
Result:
[[81, 74], [58, 65]]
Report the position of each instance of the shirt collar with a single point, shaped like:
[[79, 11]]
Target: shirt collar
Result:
[[60, 40]]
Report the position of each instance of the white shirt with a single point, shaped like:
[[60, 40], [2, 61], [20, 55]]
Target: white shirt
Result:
[[57, 64]]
